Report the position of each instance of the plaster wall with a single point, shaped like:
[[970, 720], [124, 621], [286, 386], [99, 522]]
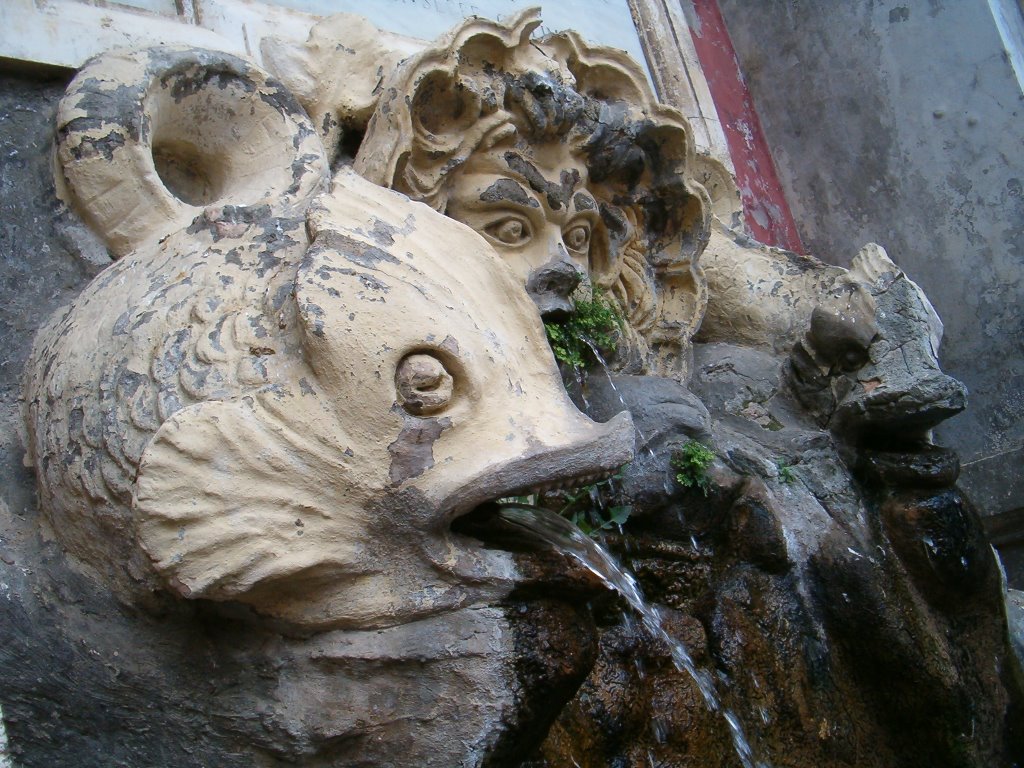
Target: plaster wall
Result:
[[600, 21], [67, 32], [900, 123]]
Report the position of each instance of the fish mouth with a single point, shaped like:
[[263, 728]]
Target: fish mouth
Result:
[[904, 414], [542, 570], [541, 480], [544, 469], [484, 523]]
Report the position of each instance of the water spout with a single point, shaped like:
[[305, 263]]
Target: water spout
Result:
[[570, 540]]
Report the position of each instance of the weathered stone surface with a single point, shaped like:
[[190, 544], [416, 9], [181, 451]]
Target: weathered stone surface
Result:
[[336, 75], [1015, 617], [249, 472], [558, 153], [148, 138], [930, 466], [905, 130], [187, 446], [762, 297], [870, 364], [665, 415], [835, 615]]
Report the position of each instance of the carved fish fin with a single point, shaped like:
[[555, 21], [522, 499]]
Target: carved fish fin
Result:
[[229, 497]]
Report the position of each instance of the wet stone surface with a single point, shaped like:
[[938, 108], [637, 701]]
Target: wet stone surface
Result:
[[848, 620]]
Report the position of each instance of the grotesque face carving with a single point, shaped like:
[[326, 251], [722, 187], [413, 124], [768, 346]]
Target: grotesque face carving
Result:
[[538, 214], [559, 155]]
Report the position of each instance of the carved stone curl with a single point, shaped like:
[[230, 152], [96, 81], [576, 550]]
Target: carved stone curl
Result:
[[559, 154]]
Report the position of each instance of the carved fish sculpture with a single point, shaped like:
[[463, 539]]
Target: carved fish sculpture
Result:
[[291, 413], [869, 361]]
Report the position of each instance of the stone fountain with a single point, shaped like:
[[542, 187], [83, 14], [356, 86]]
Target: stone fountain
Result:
[[319, 348]]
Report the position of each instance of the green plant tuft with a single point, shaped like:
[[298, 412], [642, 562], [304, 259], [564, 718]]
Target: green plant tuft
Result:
[[786, 473], [589, 507], [596, 320], [691, 464]]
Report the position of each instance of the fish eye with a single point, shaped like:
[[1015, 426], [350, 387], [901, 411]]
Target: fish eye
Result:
[[424, 384], [510, 231], [577, 238]]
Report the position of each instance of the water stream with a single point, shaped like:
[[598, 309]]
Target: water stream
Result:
[[611, 383], [570, 540]]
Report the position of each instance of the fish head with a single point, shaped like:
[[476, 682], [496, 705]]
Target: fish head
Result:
[[424, 388], [868, 365]]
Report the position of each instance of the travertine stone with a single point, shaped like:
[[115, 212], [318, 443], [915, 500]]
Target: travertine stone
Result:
[[337, 74], [869, 360], [240, 414], [761, 296], [265, 417], [283, 395]]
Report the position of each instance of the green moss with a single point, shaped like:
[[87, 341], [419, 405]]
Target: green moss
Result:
[[596, 320], [691, 463]]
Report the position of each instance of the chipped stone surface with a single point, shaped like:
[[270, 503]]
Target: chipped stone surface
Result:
[[177, 399], [761, 296], [558, 153], [231, 442], [870, 359], [252, 433], [842, 596], [148, 138]]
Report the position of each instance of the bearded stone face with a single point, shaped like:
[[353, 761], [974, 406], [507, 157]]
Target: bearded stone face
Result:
[[533, 206]]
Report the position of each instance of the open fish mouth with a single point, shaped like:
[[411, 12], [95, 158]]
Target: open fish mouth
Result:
[[477, 557], [482, 521], [543, 571], [596, 455], [572, 465], [904, 414]]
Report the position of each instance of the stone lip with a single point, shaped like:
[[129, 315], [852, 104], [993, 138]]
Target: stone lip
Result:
[[542, 571], [595, 452], [924, 404], [928, 467]]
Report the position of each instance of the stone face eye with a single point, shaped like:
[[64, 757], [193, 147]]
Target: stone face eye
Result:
[[511, 231], [577, 238], [424, 384]]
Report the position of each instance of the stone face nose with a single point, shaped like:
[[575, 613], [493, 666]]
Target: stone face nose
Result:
[[551, 285]]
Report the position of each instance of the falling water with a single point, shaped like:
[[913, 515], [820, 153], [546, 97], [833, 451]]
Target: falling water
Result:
[[570, 540], [611, 383]]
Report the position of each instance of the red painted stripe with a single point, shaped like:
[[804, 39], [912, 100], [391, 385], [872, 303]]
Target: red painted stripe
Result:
[[764, 204]]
